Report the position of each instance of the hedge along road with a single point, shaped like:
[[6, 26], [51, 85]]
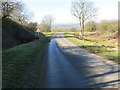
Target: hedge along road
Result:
[[68, 66]]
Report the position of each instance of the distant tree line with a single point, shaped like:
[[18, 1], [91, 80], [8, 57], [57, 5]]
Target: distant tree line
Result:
[[103, 26], [84, 11]]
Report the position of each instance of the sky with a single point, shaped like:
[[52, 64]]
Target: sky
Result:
[[61, 10]]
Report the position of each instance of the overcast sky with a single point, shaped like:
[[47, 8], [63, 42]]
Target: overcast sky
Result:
[[60, 10]]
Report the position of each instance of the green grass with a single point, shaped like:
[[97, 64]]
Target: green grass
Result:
[[17, 60], [48, 34], [96, 46]]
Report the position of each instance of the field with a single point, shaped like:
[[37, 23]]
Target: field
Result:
[[103, 44]]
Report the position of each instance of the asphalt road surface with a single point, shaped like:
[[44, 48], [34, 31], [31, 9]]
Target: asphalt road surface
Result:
[[69, 66]]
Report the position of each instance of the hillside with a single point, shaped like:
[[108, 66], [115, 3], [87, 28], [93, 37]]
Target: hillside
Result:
[[23, 53], [14, 34]]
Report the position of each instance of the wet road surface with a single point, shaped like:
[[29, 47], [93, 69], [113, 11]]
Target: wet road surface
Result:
[[68, 66]]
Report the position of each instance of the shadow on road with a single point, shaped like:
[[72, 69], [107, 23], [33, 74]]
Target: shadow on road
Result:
[[93, 67], [69, 66]]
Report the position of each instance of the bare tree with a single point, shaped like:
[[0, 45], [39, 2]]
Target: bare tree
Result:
[[18, 12], [48, 20], [15, 10], [0, 9], [47, 23], [83, 11], [7, 7]]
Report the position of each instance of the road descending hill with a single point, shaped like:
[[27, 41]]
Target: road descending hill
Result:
[[68, 66]]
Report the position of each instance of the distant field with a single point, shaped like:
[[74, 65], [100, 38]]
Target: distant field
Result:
[[48, 34], [104, 44]]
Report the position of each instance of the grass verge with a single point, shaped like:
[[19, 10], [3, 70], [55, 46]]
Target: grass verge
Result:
[[49, 34], [102, 49], [17, 60]]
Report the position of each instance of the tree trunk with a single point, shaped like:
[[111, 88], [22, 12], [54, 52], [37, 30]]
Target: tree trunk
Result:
[[82, 29]]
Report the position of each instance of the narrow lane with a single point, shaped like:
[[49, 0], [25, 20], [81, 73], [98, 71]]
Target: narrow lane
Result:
[[60, 73], [68, 66]]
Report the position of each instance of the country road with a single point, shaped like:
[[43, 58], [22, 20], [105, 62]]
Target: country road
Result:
[[68, 66]]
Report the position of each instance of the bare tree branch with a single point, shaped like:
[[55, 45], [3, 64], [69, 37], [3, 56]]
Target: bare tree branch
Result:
[[83, 11], [46, 23]]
